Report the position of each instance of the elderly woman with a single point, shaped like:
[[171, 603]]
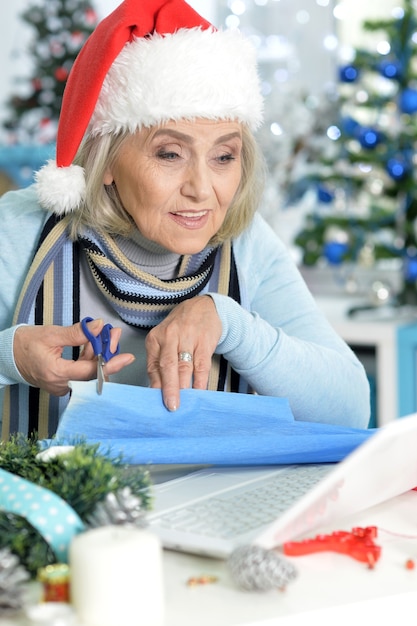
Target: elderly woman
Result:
[[147, 220]]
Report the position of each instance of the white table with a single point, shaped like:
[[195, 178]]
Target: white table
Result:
[[325, 580], [330, 588]]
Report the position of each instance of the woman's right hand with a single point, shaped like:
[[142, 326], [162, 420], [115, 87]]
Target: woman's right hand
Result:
[[192, 327], [38, 355]]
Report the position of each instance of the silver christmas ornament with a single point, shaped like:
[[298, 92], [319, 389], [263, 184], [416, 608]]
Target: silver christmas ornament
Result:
[[13, 579], [119, 508], [254, 568]]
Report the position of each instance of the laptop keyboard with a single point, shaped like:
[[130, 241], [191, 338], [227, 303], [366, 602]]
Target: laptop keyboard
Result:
[[229, 514]]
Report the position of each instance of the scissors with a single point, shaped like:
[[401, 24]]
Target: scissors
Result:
[[101, 347]]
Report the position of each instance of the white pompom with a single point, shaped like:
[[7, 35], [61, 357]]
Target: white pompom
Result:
[[53, 452], [60, 189]]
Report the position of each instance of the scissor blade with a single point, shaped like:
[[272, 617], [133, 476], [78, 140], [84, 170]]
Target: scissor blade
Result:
[[100, 374]]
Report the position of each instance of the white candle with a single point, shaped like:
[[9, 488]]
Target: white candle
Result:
[[116, 577]]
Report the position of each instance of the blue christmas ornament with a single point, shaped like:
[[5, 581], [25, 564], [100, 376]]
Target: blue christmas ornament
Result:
[[410, 269], [368, 137], [348, 74], [350, 125], [324, 194], [397, 167], [390, 69], [408, 100], [334, 251]]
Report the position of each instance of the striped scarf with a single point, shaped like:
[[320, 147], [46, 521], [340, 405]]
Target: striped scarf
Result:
[[50, 295], [139, 298]]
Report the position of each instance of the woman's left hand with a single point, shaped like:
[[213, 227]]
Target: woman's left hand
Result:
[[193, 327]]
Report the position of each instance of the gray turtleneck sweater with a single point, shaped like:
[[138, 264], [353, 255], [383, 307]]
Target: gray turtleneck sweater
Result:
[[149, 257]]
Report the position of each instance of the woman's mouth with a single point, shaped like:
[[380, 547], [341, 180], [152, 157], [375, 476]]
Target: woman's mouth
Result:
[[191, 219]]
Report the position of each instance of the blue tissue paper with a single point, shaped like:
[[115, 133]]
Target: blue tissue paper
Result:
[[208, 428]]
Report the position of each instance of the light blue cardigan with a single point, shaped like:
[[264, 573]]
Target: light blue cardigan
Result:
[[283, 346]]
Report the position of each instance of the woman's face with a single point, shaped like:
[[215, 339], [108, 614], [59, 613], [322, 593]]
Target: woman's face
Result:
[[177, 181]]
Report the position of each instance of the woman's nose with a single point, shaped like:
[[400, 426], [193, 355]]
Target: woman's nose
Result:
[[197, 182]]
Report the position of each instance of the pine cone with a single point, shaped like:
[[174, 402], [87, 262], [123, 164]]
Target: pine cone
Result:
[[13, 577], [119, 508], [256, 569]]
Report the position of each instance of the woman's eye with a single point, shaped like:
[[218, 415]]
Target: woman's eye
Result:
[[167, 155], [224, 158]]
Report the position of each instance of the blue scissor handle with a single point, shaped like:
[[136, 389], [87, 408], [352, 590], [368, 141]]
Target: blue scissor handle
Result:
[[101, 342], [105, 343]]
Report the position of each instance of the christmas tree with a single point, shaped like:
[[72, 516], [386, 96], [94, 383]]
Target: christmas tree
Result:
[[61, 27], [364, 168]]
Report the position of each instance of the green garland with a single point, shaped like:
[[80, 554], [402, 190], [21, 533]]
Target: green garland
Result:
[[81, 477]]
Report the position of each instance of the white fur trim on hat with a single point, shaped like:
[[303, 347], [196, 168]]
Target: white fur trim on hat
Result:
[[188, 74], [60, 189]]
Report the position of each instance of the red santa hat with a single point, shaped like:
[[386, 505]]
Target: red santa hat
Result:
[[148, 62]]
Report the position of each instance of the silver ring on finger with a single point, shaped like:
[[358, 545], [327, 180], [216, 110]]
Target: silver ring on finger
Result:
[[185, 356]]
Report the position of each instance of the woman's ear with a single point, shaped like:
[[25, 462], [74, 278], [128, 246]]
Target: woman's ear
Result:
[[108, 178]]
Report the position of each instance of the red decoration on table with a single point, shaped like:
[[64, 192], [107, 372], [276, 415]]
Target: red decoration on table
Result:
[[359, 544], [56, 582]]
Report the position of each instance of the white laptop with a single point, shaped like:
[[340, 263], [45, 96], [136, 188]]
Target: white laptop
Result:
[[202, 512]]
